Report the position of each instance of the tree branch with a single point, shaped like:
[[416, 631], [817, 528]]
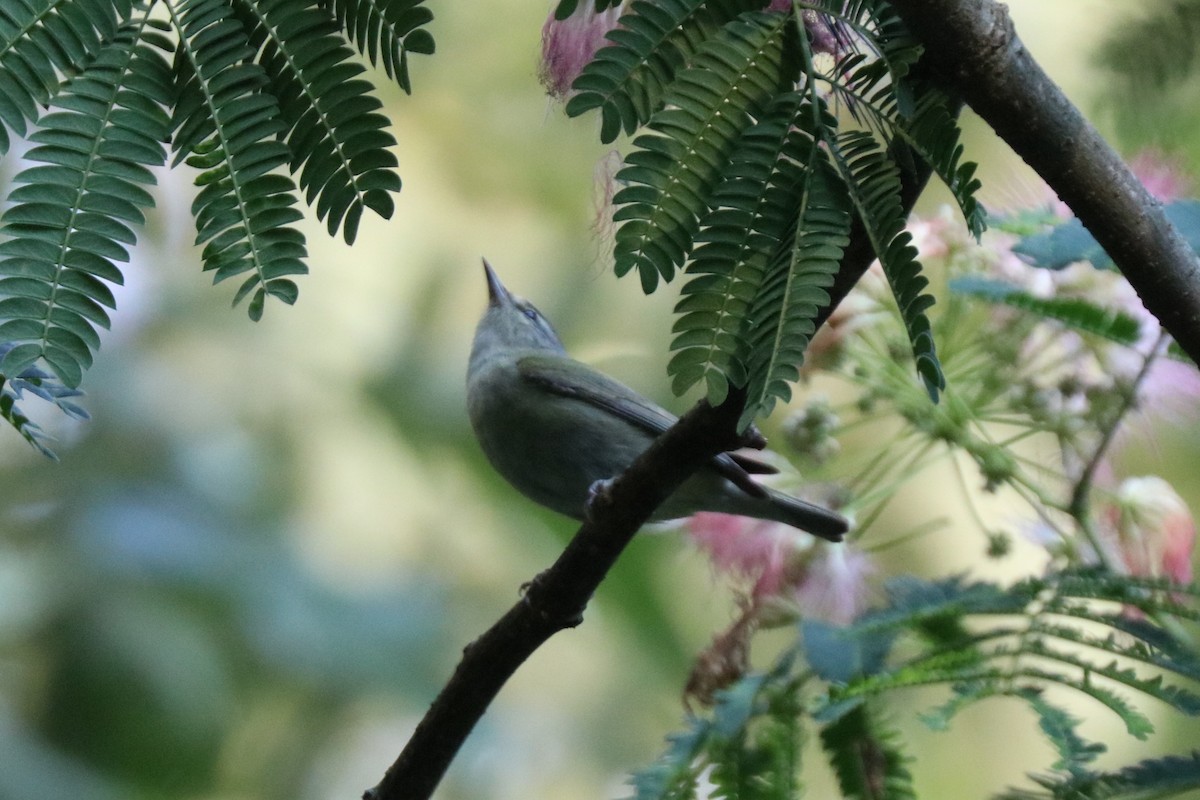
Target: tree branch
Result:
[[556, 598], [975, 51]]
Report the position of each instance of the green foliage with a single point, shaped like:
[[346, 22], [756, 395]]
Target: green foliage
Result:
[[1065, 242], [671, 175], [748, 748], [227, 128], [40, 384], [802, 220], [40, 40], [1051, 645], [745, 181], [628, 79], [793, 292], [1027, 641], [256, 87], [72, 211], [874, 184], [1074, 312], [867, 757], [1156, 777], [385, 32], [336, 140]]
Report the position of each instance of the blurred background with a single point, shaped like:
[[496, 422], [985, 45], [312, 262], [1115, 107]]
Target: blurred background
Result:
[[253, 568]]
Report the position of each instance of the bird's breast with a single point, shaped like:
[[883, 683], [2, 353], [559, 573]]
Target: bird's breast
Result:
[[549, 447]]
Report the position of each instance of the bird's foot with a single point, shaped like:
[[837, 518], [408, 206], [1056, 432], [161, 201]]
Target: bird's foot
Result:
[[597, 492]]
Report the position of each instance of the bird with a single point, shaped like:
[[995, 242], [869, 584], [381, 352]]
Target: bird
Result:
[[556, 428]]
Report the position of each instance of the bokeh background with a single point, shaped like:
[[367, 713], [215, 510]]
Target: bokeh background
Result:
[[252, 569]]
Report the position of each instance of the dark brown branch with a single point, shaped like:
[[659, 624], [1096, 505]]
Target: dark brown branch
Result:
[[556, 598], [975, 51]]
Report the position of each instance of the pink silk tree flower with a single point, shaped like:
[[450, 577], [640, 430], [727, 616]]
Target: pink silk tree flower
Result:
[[1155, 531], [569, 44], [838, 585], [789, 574]]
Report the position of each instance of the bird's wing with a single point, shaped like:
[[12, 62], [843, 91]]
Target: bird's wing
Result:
[[581, 382], [568, 378]]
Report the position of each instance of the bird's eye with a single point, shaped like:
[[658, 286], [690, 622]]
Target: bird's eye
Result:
[[530, 312]]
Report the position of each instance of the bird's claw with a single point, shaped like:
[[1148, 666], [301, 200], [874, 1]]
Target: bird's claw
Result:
[[596, 492]]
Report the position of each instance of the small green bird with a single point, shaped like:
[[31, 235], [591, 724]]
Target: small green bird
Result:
[[553, 427]]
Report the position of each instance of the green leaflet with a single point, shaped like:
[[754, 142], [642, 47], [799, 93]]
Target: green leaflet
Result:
[[981, 640], [385, 32], [70, 36], [781, 318], [1154, 777], [672, 171], [335, 133], [1077, 313], [228, 127], [70, 226], [40, 384], [1023, 658], [874, 184], [867, 757], [711, 182], [747, 748], [754, 205], [89, 73], [628, 79]]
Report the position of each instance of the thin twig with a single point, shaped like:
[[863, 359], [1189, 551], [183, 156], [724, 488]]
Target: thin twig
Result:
[[1080, 496]]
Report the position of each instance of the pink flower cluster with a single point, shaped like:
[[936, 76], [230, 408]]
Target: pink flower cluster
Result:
[[569, 44], [788, 573], [782, 574], [1151, 529]]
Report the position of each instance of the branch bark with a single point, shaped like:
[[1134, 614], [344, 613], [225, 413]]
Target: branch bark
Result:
[[974, 50]]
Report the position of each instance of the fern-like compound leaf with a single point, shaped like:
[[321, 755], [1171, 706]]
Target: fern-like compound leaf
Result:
[[781, 318], [753, 206], [337, 137], [41, 40], [880, 29], [70, 225], [1073, 312], [933, 134], [874, 184], [43, 385], [385, 32], [673, 170], [628, 79], [1059, 726], [227, 127], [867, 756], [1169, 776]]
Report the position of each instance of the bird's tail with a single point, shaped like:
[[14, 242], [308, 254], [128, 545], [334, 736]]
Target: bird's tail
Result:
[[803, 515]]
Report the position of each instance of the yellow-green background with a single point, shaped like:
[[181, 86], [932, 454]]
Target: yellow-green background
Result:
[[252, 569]]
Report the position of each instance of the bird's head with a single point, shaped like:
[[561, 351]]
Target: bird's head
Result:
[[511, 322]]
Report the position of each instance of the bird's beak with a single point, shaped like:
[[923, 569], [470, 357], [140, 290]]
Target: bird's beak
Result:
[[497, 294]]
